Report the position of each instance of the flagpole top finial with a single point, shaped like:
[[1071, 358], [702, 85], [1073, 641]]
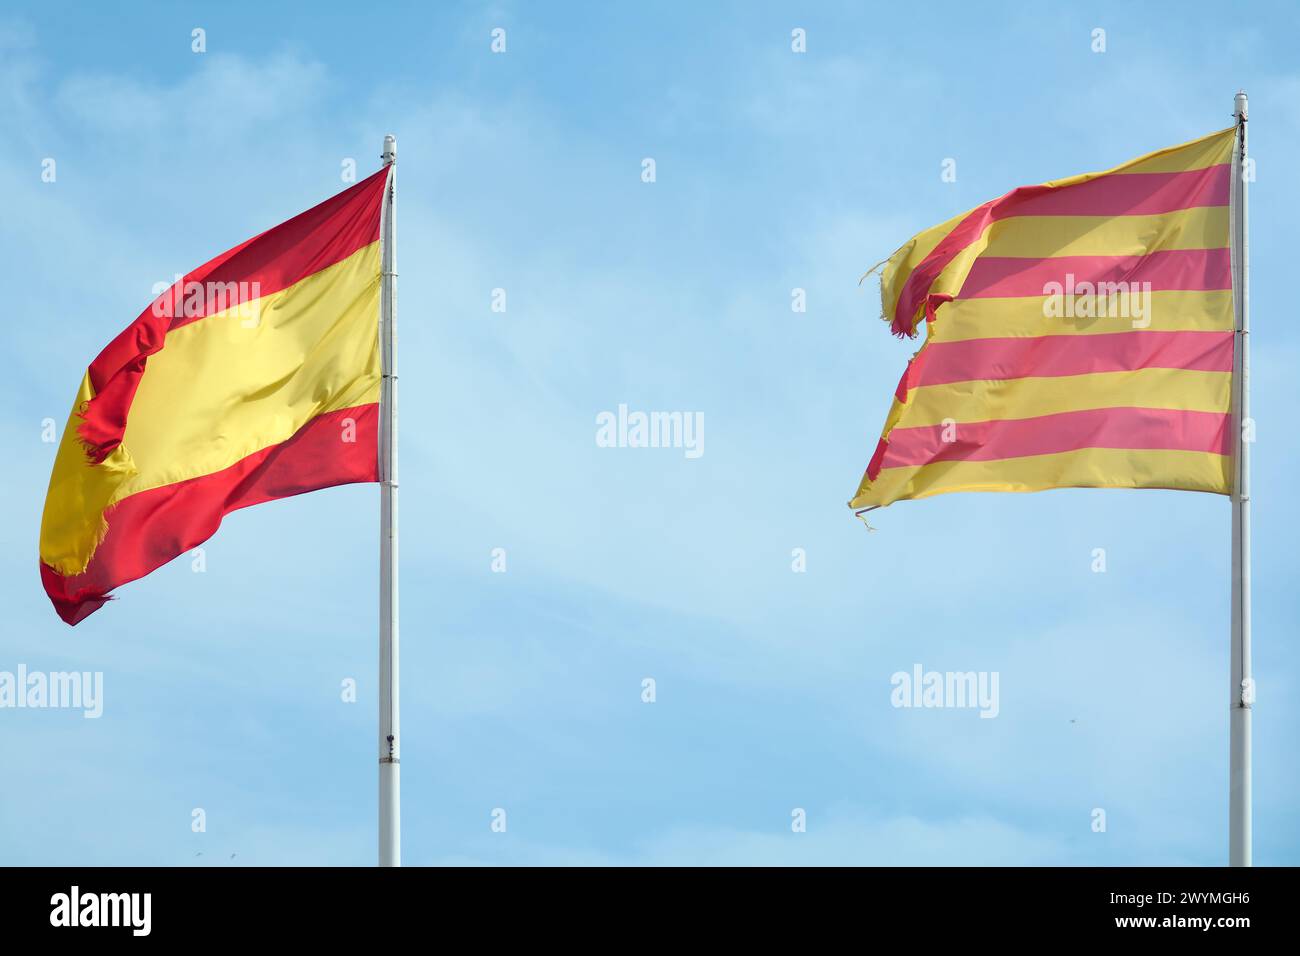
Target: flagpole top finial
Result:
[[389, 155], [1240, 106]]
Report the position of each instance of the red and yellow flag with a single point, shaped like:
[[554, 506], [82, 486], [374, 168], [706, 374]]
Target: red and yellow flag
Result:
[[1078, 334], [254, 377]]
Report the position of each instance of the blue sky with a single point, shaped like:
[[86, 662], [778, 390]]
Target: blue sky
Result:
[[522, 690]]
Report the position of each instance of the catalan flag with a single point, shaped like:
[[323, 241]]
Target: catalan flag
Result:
[[1079, 333], [254, 377]]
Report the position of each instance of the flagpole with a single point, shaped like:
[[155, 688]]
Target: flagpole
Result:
[[1242, 686], [390, 780]]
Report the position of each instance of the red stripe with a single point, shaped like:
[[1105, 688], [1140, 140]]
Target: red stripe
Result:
[[285, 254], [148, 529], [1048, 356], [1134, 428], [1112, 194], [1188, 270], [877, 459], [1133, 194], [274, 260]]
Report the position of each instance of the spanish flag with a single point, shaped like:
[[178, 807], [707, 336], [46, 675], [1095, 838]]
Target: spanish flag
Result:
[[254, 377], [1079, 334]]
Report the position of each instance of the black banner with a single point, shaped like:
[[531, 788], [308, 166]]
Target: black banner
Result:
[[329, 905]]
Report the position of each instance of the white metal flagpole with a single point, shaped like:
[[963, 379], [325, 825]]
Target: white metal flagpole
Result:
[[1242, 689], [390, 779]]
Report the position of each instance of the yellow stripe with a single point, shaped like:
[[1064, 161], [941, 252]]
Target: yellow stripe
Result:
[[1086, 468], [1033, 237], [1212, 150], [906, 258], [72, 524], [229, 385], [1169, 311], [222, 388], [1031, 397]]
